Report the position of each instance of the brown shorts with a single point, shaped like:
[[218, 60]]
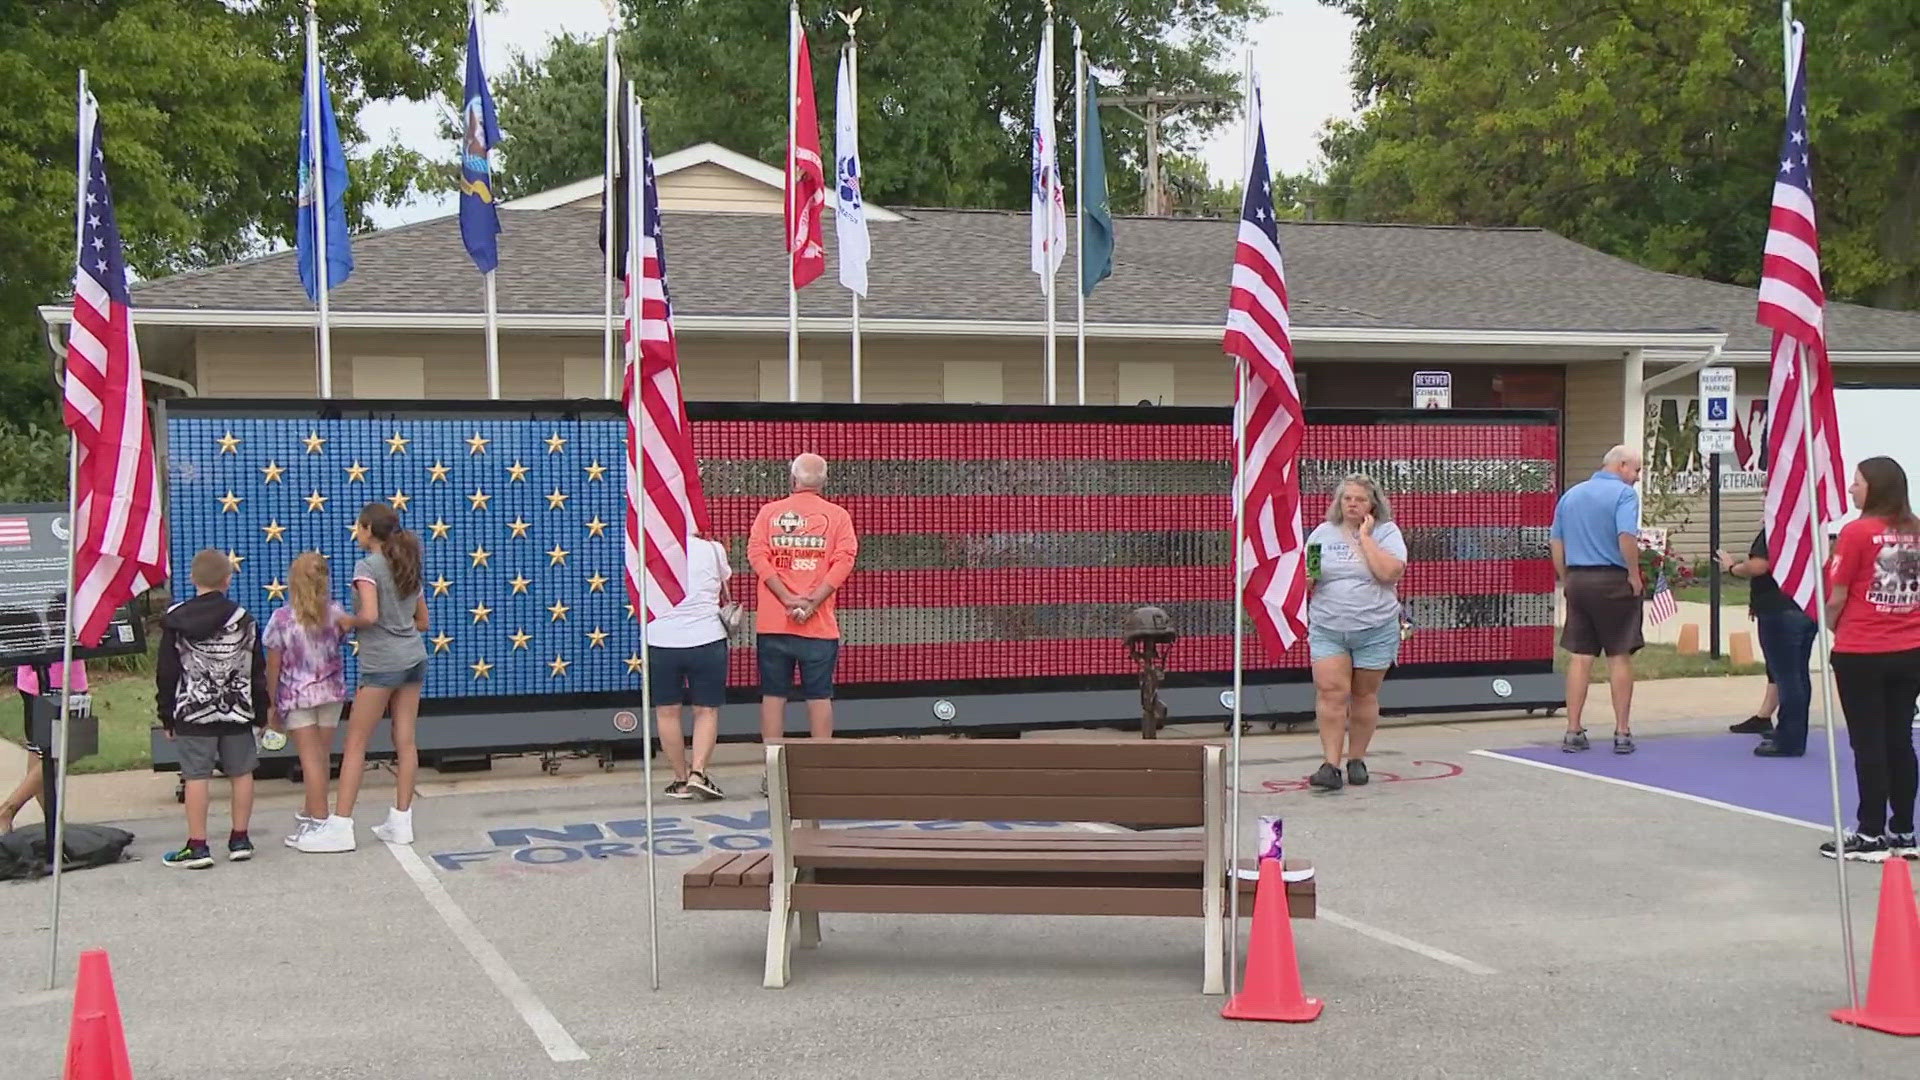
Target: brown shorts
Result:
[[1603, 613]]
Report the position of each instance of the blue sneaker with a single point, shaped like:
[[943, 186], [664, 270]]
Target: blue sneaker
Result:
[[189, 857], [239, 849]]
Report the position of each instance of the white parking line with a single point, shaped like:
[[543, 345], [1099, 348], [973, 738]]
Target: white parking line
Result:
[[553, 1038], [1703, 801]]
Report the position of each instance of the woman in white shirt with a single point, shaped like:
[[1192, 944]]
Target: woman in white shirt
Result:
[[687, 662], [1355, 559]]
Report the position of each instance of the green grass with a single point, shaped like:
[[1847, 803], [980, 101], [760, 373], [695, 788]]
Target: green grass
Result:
[[1733, 592], [1665, 662], [124, 705]]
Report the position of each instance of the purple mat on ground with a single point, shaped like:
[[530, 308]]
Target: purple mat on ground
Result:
[[1721, 768]]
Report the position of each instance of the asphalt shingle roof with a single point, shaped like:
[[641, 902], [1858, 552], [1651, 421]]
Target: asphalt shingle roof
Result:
[[962, 264]]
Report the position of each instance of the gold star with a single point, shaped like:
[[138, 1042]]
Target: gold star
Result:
[[439, 473], [235, 558], [477, 445], [596, 527], [596, 471], [228, 444], [555, 443], [480, 612], [276, 590], [558, 611], [316, 502], [400, 499], [559, 667], [397, 444], [481, 669], [557, 500], [557, 557], [313, 442], [519, 638], [272, 472], [479, 555], [597, 583], [356, 646], [440, 585], [598, 637], [634, 664], [230, 503], [439, 529], [274, 531], [441, 641], [356, 473], [629, 606], [479, 499], [519, 584], [353, 529], [519, 527], [517, 472]]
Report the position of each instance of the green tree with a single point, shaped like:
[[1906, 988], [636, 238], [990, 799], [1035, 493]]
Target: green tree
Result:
[[201, 102], [946, 89], [1646, 128]]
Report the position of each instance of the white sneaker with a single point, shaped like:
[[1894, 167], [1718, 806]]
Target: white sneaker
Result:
[[302, 824], [326, 837], [397, 829]]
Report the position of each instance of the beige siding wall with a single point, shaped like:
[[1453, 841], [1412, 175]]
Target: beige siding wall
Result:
[[1594, 419], [710, 187]]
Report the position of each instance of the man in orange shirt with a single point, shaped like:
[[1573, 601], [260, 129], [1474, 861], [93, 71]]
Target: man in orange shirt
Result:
[[801, 549]]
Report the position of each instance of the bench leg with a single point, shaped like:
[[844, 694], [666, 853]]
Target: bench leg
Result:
[[809, 930], [779, 924]]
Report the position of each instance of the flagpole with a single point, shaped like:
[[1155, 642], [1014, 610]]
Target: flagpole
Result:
[[1239, 598], [1046, 64], [793, 208], [1080, 211], [317, 174], [1793, 34], [853, 89], [636, 226], [56, 829], [493, 306], [607, 202]]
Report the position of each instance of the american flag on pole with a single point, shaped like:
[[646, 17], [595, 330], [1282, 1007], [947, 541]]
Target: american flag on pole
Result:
[[1792, 304], [663, 480], [1270, 420], [1047, 241], [119, 548], [806, 174]]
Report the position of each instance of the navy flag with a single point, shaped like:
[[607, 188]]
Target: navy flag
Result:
[[479, 135]]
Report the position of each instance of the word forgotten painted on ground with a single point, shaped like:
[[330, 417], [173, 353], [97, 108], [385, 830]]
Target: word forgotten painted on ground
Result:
[[551, 845]]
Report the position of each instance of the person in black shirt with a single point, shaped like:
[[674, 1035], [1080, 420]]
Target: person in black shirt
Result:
[[1786, 638]]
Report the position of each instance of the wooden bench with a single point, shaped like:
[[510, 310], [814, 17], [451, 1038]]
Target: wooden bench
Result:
[[985, 872]]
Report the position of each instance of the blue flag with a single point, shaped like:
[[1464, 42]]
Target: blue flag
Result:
[[480, 133], [1096, 219], [333, 172]]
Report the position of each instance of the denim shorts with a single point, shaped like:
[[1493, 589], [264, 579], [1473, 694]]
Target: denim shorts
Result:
[[694, 675], [389, 680], [1372, 649], [780, 654]]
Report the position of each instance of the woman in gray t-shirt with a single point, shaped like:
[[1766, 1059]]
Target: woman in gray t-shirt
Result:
[[389, 616], [1355, 559]]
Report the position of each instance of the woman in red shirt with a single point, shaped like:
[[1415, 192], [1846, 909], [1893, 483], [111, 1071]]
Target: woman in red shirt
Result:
[[1873, 603]]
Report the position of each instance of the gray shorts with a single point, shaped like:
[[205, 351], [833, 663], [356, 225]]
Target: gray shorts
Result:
[[237, 755]]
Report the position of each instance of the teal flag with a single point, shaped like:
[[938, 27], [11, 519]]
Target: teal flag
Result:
[[1096, 217]]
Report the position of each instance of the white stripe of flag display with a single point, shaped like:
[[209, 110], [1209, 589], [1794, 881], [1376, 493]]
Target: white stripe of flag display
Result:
[[1792, 304]]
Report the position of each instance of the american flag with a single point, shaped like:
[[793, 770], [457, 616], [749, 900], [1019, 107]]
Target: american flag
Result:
[[806, 175], [119, 547], [1269, 416], [1661, 605], [15, 532], [663, 480], [1792, 304], [1047, 242]]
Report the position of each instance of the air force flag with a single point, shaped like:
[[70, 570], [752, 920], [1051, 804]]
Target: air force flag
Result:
[[850, 217]]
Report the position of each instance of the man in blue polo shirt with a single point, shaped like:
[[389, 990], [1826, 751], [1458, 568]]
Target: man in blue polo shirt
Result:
[[1596, 556]]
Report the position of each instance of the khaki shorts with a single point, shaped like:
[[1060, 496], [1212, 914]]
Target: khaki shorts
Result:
[[327, 715]]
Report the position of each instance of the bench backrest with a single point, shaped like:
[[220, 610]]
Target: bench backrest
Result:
[[1130, 783]]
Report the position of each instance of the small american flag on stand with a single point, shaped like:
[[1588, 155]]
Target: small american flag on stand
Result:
[[1661, 605], [118, 542]]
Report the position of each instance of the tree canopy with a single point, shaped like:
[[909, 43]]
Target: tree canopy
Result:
[[946, 90], [201, 102], [1649, 129]]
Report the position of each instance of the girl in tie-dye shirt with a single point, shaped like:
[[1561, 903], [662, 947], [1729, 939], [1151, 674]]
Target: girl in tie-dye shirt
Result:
[[303, 642]]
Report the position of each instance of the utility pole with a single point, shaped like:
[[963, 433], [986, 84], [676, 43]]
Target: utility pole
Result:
[[1160, 106]]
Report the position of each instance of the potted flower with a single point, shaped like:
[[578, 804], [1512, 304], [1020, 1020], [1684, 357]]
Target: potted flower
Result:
[[1660, 563]]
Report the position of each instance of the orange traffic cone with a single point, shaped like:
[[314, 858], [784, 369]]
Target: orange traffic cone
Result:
[[1271, 989], [96, 1045], [1893, 985]]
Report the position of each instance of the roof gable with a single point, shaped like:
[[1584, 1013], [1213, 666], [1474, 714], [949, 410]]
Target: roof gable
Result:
[[689, 180]]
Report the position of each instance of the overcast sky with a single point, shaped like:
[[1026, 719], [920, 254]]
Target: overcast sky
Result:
[[1301, 53]]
